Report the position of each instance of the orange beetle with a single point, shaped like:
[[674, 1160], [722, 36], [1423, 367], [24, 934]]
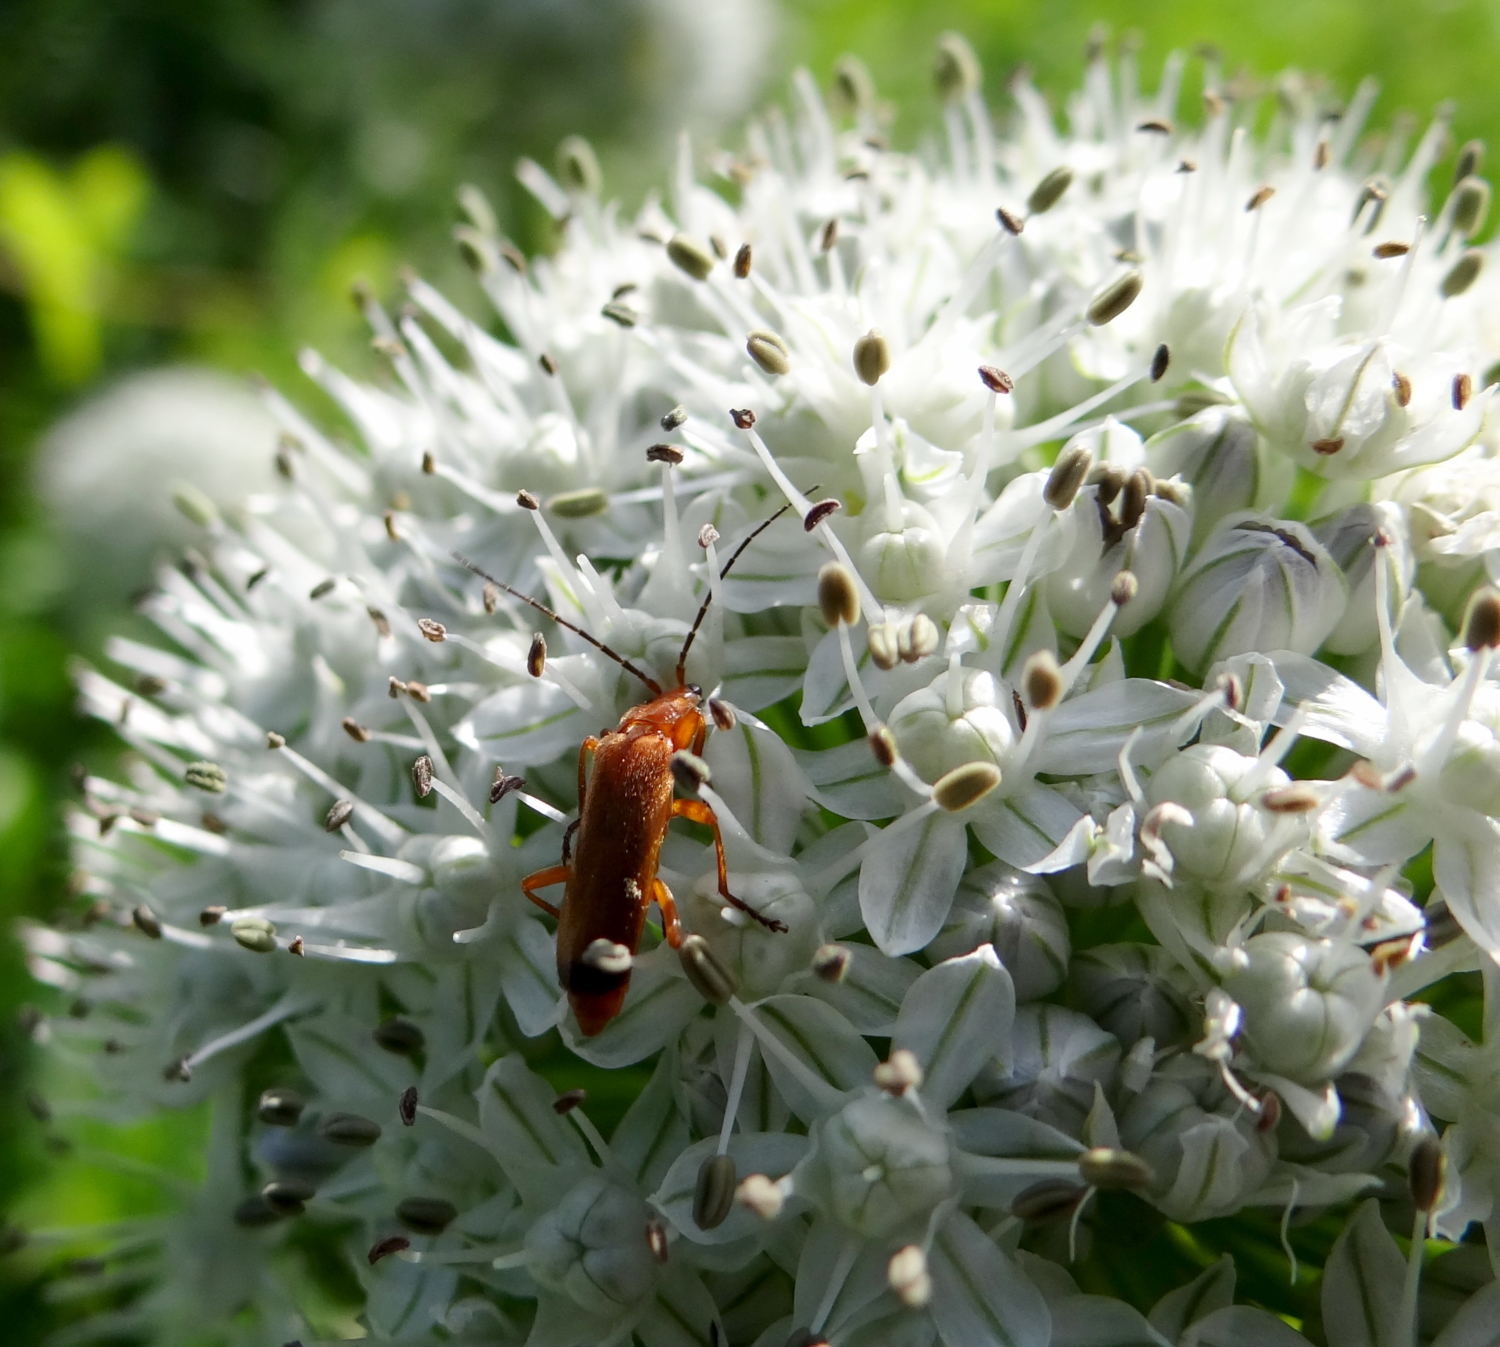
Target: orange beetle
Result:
[[623, 813]]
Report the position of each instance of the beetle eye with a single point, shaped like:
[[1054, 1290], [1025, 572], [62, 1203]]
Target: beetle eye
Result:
[[695, 690]]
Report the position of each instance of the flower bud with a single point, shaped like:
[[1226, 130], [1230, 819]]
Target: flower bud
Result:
[[955, 791], [1217, 452], [769, 351], [872, 357], [690, 256], [907, 562], [1135, 992], [1256, 585], [713, 1195], [935, 742], [1017, 914], [1057, 1055], [838, 597], [955, 68], [1307, 1003], [1049, 191], [426, 1215], [1213, 836], [588, 1246], [908, 1277], [1350, 539], [280, 1108], [1114, 299], [1200, 1142]]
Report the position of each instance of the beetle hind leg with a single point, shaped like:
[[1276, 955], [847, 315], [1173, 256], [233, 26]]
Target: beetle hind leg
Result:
[[698, 812], [553, 874]]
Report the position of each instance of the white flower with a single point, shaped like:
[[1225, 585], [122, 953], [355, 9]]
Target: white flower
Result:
[[948, 501]]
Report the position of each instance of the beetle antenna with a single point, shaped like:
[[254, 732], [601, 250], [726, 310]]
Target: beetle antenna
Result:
[[709, 597], [563, 622]]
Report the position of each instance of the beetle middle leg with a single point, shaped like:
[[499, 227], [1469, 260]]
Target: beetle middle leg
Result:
[[553, 874], [671, 924], [698, 812], [567, 854]]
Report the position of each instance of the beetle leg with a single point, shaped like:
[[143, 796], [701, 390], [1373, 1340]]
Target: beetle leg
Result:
[[671, 925], [589, 746], [698, 812], [553, 874], [568, 841], [700, 739]]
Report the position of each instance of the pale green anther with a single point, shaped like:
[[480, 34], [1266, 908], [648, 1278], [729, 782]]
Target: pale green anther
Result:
[[280, 1108], [474, 249], [348, 1129], [688, 255], [712, 981], [1106, 1167], [473, 202], [578, 504], [966, 785], [426, 1215], [872, 357], [621, 314], [1462, 274], [207, 776], [255, 934], [578, 166], [1049, 191], [1115, 298], [769, 350], [1470, 160], [713, 1194], [1471, 203], [194, 505], [955, 68], [852, 84]]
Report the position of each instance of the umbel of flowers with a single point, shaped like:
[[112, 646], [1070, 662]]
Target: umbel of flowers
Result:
[[1122, 461]]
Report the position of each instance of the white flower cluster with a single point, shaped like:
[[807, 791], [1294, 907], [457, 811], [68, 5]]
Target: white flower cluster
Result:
[[1058, 416]]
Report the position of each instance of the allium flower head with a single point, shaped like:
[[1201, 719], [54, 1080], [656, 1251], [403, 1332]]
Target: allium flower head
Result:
[[1013, 509]]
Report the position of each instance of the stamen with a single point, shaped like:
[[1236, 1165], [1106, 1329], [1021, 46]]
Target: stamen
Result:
[[390, 831], [405, 871], [284, 1009], [743, 1047]]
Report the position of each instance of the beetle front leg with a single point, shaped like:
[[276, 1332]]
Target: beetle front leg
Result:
[[553, 874], [671, 923], [698, 812]]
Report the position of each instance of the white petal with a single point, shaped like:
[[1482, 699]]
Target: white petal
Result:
[[908, 879], [956, 1017]]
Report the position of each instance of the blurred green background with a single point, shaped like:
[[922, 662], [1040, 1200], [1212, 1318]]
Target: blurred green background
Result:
[[200, 183]]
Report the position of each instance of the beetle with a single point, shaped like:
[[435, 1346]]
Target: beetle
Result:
[[624, 809]]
